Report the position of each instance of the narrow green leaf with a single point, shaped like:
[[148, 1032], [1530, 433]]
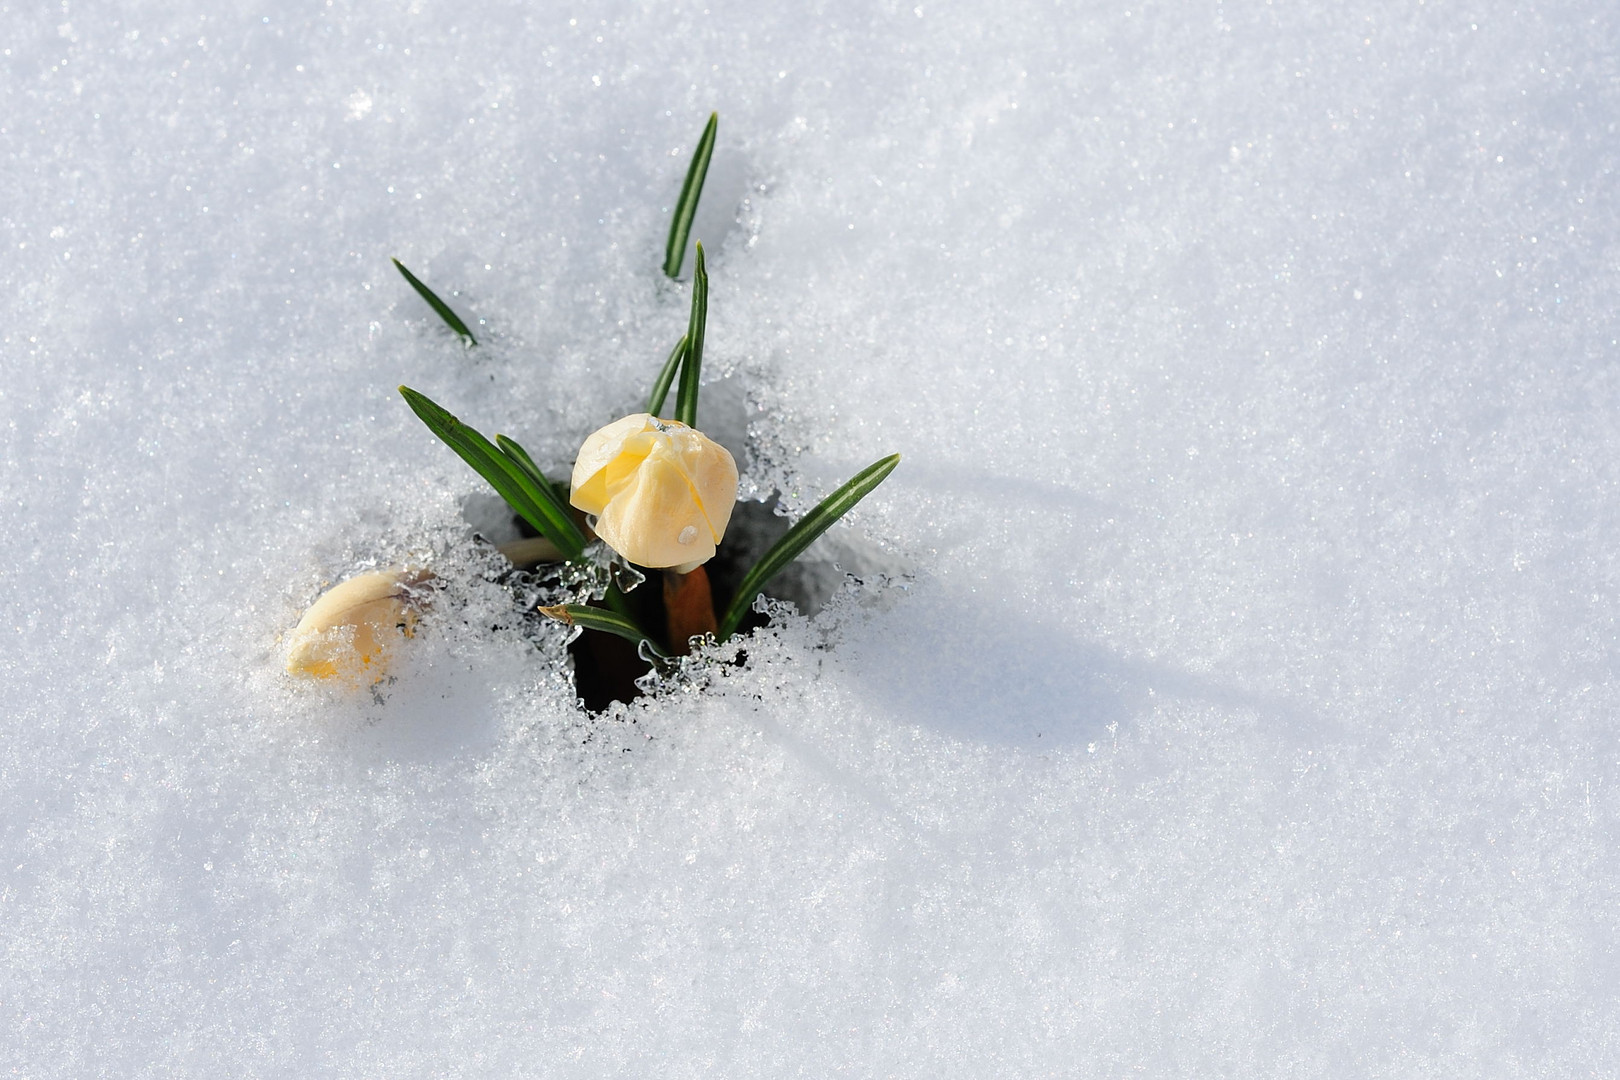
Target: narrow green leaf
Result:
[[548, 489], [680, 226], [801, 536], [451, 319], [666, 377], [509, 446], [615, 599], [528, 498], [597, 619], [686, 397]]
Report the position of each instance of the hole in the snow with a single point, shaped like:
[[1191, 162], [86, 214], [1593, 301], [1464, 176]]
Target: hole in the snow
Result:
[[606, 667]]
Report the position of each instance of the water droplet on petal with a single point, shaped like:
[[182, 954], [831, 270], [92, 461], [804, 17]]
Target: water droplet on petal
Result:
[[688, 535]]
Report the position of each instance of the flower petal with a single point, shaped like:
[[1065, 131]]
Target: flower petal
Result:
[[348, 632], [662, 492], [653, 512], [589, 491]]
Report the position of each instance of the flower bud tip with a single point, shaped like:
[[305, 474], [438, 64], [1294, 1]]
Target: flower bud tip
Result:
[[351, 631]]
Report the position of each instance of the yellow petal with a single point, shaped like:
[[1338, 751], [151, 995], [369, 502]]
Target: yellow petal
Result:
[[712, 473], [654, 519], [662, 492], [588, 484], [350, 631]]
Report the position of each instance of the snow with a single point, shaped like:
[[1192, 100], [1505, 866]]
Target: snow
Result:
[[1241, 698]]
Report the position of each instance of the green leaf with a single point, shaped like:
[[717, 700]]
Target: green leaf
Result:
[[597, 619], [535, 502], [801, 536], [686, 397], [512, 472], [680, 227], [660, 391], [451, 319], [551, 490]]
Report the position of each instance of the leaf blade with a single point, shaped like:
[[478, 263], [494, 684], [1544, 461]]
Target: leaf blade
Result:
[[508, 479], [442, 309], [515, 477], [686, 396], [550, 491], [801, 536], [680, 226], [666, 378], [607, 622]]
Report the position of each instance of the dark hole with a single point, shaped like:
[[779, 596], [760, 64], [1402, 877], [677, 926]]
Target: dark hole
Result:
[[606, 667]]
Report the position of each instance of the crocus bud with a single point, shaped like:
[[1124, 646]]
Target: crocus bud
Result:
[[352, 630], [662, 492]]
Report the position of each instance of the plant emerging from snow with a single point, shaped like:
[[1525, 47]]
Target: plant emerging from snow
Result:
[[653, 489]]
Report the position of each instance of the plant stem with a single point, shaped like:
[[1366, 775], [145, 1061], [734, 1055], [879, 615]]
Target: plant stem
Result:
[[689, 608]]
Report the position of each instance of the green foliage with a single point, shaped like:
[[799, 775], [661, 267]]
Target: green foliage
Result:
[[451, 319], [686, 397], [680, 226], [556, 493], [597, 619], [801, 536], [666, 378], [512, 474], [544, 503]]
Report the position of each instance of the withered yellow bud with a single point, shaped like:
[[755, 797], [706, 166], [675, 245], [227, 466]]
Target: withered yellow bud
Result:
[[662, 492], [351, 632]]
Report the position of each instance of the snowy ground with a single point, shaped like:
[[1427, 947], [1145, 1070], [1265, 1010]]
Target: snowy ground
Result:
[[1249, 708]]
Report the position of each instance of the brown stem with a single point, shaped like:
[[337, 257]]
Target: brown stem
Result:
[[689, 606]]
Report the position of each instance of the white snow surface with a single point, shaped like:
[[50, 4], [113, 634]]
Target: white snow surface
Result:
[[1246, 707]]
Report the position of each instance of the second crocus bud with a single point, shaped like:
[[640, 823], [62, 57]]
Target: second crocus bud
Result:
[[662, 492], [353, 630]]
